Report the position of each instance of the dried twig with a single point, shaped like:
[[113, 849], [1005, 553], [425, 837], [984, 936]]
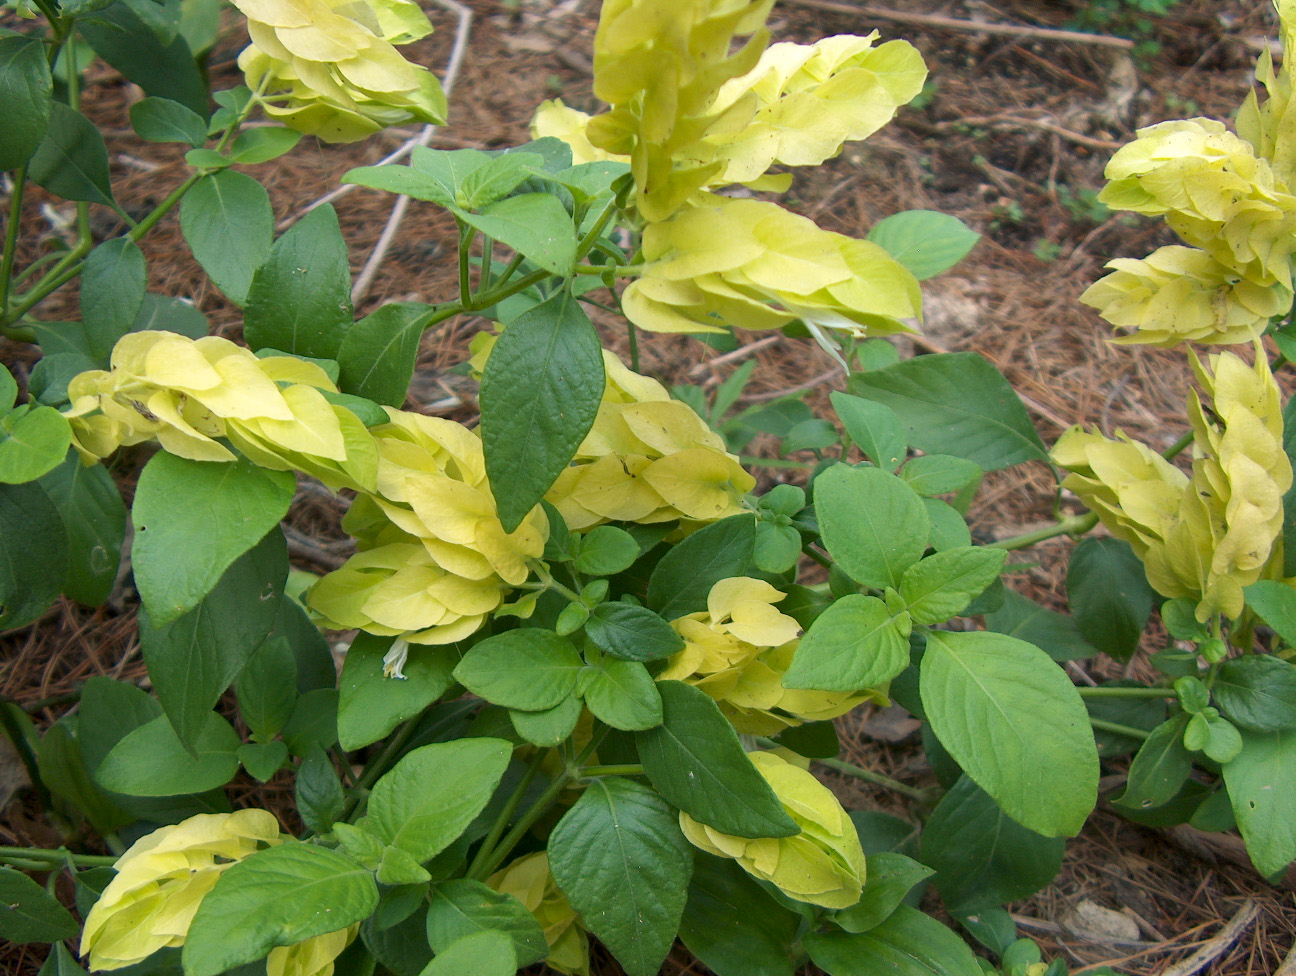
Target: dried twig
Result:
[[971, 26], [1018, 122], [1223, 940], [742, 352]]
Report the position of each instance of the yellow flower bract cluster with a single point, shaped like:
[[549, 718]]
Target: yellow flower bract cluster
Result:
[[822, 865], [332, 70], [1208, 535], [162, 880], [738, 650], [529, 880]]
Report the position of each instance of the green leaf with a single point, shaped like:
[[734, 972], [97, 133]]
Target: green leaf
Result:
[[160, 63], [313, 722], [909, 943], [424, 802], [1054, 633], [163, 120], [276, 897], [112, 291], [1261, 784], [32, 443], [60, 962], [1258, 692], [942, 585], [482, 954], [981, 856], [193, 659], [26, 89], [267, 688], [1137, 713], [606, 550], [378, 353], [1159, 769], [166, 314], [873, 524], [948, 528], [530, 669], [927, 242], [891, 877], [956, 403], [814, 740], [550, 727], [72, 161], [875, 429], [540, 393], [856, 643], [984, 695], [29, 913], [622, 861], [683, 578], [1276, 604], [63, 770], [778, 547], [48, 382], [809, 435], [536, 225], [408, 181], [8, 390], [227, 222], [152, 761], [733, 924], [177, 556], [623, 695], [461, 907], [263, 759], [300, 297], [109, 711], [695, 761], [1109, 595], [318, 791], [370, 706], [940, 474], [264, 143], [498, 178], [632, 633], [33, 553]]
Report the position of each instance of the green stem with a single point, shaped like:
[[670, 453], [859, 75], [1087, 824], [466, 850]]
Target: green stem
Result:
[[377, 766], [1102, 725], [618, 270], [1075, 525], [634, 345], [817, 556], [871, 777], [498, 295], [1117, 692], [466, 235], [488, 255], [59, 856], [624, 769], [11, 236], [506, 814], [1177, 448], [69, 698], [594, 233]]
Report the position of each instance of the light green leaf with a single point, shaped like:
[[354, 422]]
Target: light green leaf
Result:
[[378, 353], [8, 390], [927, 242], [873, 524], [406, 180], [623, 695], [276, 897], [536, 225], [1261, 784], [482, 954], [424, 802], [891, 877], [1160, 767], [874, 427], [909, 943], [152, 761], [32, 443], [956, 403], [939, 474], [606, 550], [695, 761], [28, 913], [530, 669], [461, 907], [940, 586], [496, 179], [177, 557], [26, 88], [856, 643], [949, 530], [1275, 602], [550, 727], [371, 705], [682, 579], [622, 861], [264, 143], [228, 223], [985, 696]]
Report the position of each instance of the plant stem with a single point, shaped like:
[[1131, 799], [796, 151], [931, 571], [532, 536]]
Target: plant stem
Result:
[[377, 766], [11, 235], [871, 777], [488, 255], [633, 333], [59, 856], [522, 284], [624, 769], [594, 233], [817, 556], [1102, 725], [1075, 525], [1177, 448], [506, 814], [466, 235], [1118, 692]]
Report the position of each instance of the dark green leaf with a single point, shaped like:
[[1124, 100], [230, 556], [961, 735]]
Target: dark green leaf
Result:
[[71, 161], [909, 943], [540, 393], [536, 225], [890, 878], [313, 722], [400, 947], [300, 297], [874, 428], [319, 791], [50, 376], [733, 925], [29, 913], [984, 694], [378, 354], [956, 403], [1138, 713], [33, 553], [429, 798], [267, 688], [632, 633], [874, 525], [530, 669], [63, 770], [177, 556], [166, 314], [371, 705], [1258, 692], [1261, 784], [227, 222], [927, 242], [856, 643], [683, 578], [276, 897], [1109, 595], [26, 89], [1159, 769], [162, 66], [152, 761], [33, 440], [549, 727], [60, 962], [623, 695], [981, 856], [163, 120], [1054, 633], [942, 585], [814, 740], [462, 907], [696, 762], [622, 861], [263, 759]]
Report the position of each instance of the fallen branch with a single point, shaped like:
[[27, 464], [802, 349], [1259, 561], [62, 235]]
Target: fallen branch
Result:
[[1223, 940], [971, 26]]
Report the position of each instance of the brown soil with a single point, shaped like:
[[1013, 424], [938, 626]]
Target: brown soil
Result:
[[1013, 135]]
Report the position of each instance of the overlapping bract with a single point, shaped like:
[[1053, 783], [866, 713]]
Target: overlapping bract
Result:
[[738, 650], [186, 393], [1208, 535], [162, 880], [333, 70], [822, 865], [529, 880]]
